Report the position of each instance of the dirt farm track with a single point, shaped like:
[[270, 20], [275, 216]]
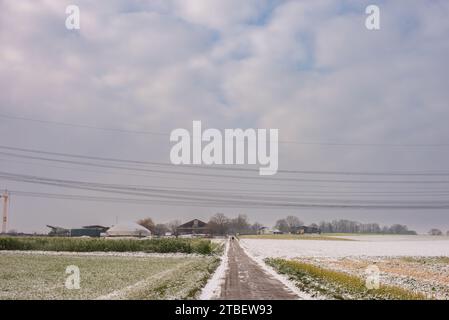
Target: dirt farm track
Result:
[[245, 279]]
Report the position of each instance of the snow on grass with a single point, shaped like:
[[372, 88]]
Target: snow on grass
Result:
[[336, 284], [369, 246], [424, 275], [103, 254], [183, 281], [42, 276], [414, 263], [141, 285], [294, 237], [212, 290], [390, 237]]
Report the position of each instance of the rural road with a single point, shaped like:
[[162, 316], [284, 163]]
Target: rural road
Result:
[[245, 279]]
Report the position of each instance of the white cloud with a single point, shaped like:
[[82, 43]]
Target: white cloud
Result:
[[310, 69]]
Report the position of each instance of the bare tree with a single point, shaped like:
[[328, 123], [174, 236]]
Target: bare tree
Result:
[[314, 225], [147, 223], [160, 229], [326, 227], [173, 225], [293, 223], [219, 224], [435, 232], [255, 227], [398, 229], [239, 224], [348, 226], [282, 225]]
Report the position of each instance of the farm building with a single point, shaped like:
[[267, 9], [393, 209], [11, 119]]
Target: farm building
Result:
[[266, 230], [89, 231], [306, 229], [193, 227], [130, 229], [58, 231], [97, 227], [86, 231]]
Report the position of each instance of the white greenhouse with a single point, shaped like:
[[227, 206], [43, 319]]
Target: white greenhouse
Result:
[[130, 229]]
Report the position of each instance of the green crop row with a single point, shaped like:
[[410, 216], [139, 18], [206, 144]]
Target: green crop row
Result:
[[170, 245]]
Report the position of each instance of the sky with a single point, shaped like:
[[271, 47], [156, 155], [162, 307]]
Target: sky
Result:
[[350, 99]]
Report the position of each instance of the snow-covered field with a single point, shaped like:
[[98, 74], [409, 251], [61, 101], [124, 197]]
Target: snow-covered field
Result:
[[418, 264], [103, 254], [38, 275], [370, 246]]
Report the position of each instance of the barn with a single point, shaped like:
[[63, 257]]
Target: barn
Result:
[[306, 230], [86, 231], [193, 227]]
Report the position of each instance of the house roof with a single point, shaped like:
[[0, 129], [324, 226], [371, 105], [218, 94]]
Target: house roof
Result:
[[96, 227], [193, 224], [57, 228], [305, 227]]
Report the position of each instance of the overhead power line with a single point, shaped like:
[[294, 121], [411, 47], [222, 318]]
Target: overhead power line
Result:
[[264, 191], [73, 125], [287, 141], [257, 188], [208, 168], [217, 198], [196, 174], [245, 204]]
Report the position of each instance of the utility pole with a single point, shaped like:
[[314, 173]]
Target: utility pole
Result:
[[5, 197]]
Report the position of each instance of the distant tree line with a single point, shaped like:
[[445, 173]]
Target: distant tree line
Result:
[[220, 224], [437, 232], [289, 224], [349, 226]]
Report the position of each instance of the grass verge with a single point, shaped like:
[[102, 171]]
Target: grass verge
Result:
[[336, 285]]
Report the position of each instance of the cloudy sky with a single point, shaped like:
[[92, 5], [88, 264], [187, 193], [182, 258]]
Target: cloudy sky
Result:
[[347, 98]]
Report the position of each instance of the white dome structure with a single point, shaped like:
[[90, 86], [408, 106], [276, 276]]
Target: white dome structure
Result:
[[130, 229]]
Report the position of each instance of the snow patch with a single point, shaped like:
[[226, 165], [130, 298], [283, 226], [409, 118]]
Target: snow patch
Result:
[[369, 247], [103, 254], [212, 289]]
